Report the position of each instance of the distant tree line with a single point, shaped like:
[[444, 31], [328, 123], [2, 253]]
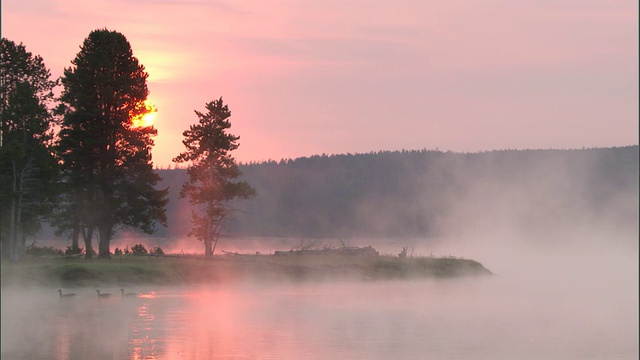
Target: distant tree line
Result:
[[405, 194]]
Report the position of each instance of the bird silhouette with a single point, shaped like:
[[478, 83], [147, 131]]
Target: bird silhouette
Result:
[[102, 296], [65, 295], [127, 294]]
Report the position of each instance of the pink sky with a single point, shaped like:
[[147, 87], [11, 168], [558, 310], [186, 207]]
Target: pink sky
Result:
[[308, 77]]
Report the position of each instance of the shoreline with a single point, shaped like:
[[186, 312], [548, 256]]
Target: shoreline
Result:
[[125, 270]]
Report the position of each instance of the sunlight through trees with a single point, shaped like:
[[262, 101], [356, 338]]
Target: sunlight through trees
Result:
[[107, 168]]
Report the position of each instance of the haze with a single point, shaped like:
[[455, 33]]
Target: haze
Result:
[[565, 286], [311, 77]]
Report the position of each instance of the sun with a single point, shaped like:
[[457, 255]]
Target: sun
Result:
[[146, 118]]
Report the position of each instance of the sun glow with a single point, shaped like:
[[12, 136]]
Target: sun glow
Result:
[[146, 118]]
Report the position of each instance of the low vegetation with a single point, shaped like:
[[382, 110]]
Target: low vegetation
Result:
[[157, 269]]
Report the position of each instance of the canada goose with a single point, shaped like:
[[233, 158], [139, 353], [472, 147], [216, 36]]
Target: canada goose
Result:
[[65, 295], [102, 296], [127, 294]]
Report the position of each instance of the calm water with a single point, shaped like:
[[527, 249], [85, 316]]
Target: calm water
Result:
[[489, 318]]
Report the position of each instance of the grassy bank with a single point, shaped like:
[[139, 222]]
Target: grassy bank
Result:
[[173, 270]]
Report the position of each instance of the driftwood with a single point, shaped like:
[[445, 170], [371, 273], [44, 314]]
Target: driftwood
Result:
[[237, 253], [350, 251]]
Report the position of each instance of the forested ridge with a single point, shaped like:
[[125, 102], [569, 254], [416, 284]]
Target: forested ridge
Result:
[[418, 193]]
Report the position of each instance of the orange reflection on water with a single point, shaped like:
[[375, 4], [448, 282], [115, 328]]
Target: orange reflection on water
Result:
[[144, 334], [151, 295], [62, 339], [217, 325]]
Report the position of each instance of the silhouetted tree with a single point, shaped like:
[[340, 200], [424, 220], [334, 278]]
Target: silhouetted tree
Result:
[[28, 169], [211, 172], [108, 174]]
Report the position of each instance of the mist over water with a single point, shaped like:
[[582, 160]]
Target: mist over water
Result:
[[565, 286], [487, 318], [545, 302]]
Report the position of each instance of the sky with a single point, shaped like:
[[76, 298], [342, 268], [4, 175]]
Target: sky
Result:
[[308, 77]]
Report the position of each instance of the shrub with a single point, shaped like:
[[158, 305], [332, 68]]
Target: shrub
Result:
[[157, 250], [126, 250], [117, 251], [138, 249], [35, 250], [73, 250]]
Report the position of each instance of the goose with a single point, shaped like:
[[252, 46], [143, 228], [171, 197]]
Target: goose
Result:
[[102, 296], [127, 294], [65, 295]]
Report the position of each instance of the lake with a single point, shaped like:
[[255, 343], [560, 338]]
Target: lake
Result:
[[497, 317]]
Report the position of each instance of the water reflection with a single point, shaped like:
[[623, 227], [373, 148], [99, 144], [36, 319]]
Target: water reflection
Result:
[[471, 319], [143, 339]]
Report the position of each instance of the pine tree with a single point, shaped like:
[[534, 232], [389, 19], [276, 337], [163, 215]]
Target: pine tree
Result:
[[211, 170], [28, 169], [106, 161]]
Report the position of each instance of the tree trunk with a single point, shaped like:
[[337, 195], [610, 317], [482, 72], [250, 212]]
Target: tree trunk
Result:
[[208, 251], [215, 243], [17, 235], [103, 242], [88, 248], [13, 225], [215, 233], [6, 248], [18, 239], [11, 242], [75, 235], [77, 224]]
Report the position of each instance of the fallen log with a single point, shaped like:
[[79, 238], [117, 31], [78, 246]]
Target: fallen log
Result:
[[350, 251]]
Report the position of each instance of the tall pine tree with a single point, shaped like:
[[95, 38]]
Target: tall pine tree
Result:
[[211, 172], [107, 167], [28, 169]]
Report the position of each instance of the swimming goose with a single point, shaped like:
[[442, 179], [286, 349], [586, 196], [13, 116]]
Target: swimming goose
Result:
[[102, 296], [65, 295]]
